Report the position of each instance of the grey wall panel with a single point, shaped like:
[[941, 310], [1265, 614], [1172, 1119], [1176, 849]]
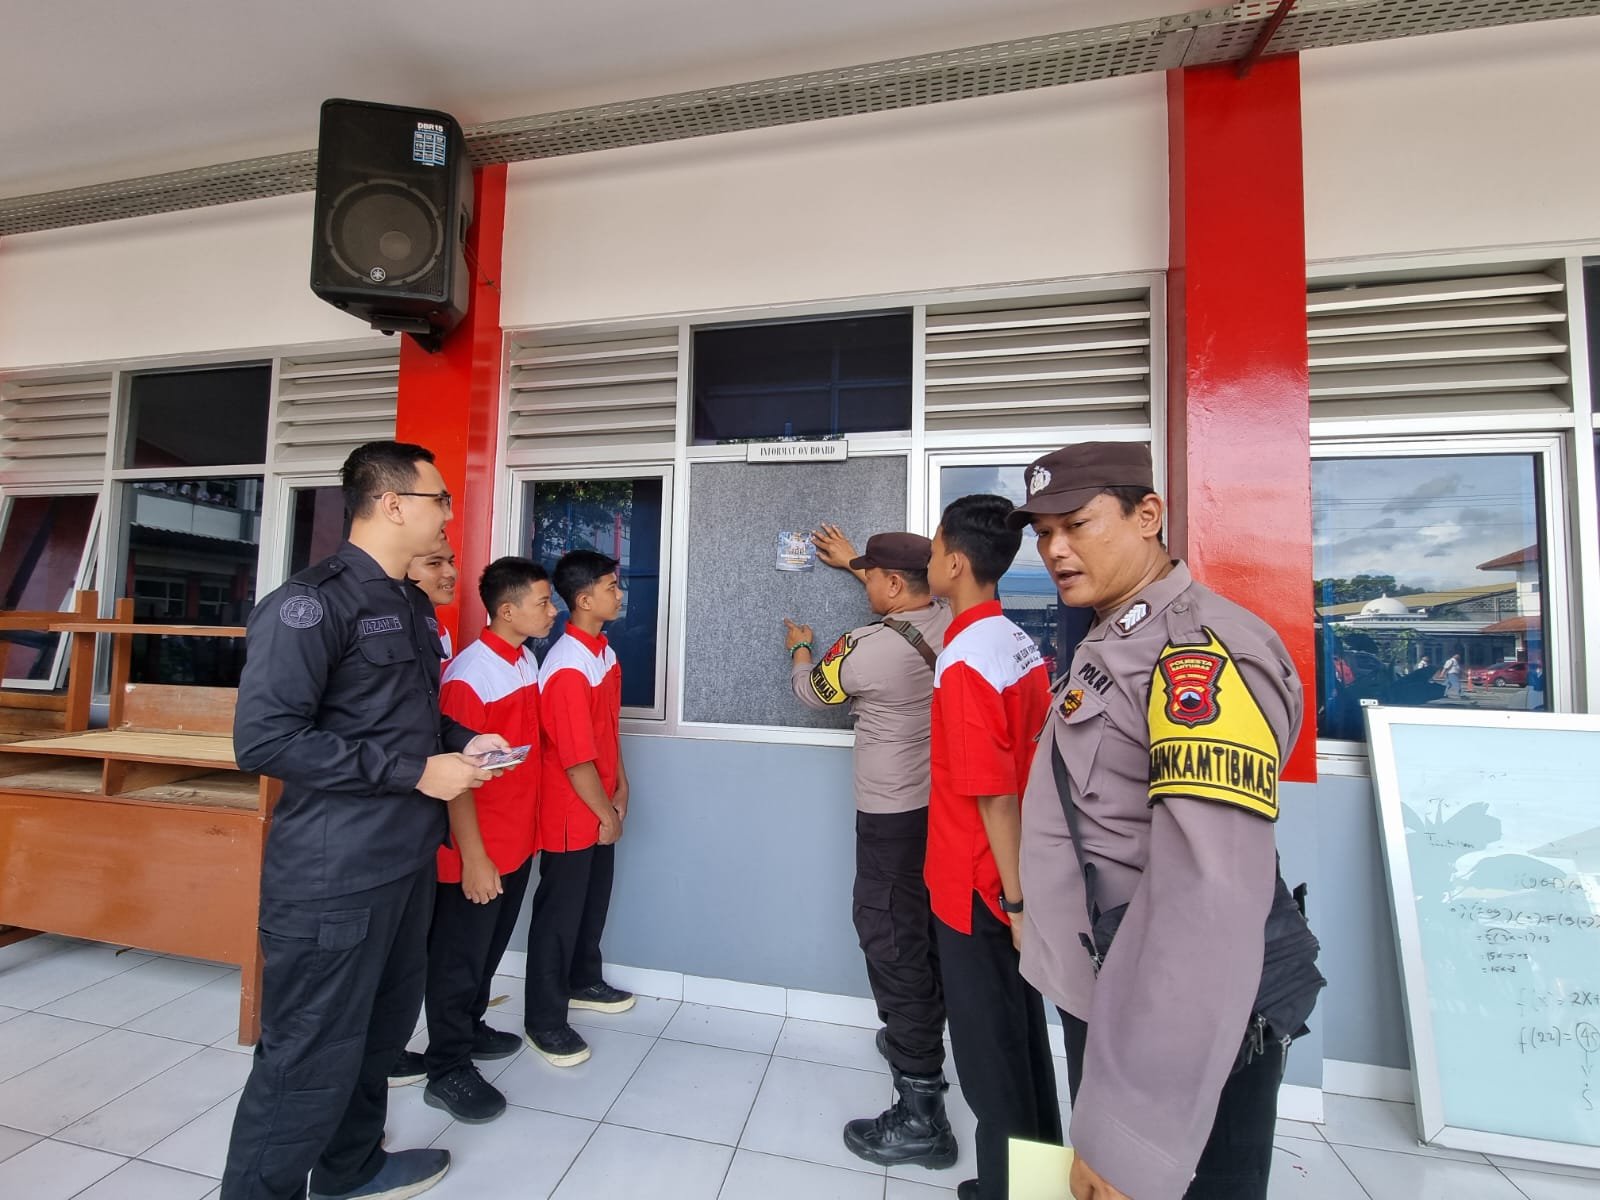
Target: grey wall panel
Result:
[[734, 668], [738, 861], [1298, 854], [1363, 1018]]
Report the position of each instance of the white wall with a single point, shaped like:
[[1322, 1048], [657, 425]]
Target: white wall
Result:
[[1453, 142], [223, 278], [1068, 182]]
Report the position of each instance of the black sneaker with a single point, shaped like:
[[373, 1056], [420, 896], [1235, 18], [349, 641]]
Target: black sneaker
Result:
[[404, 1174], [488, 1042], [407, 1068], [602, 997], [465, 1095], [561, 1047]]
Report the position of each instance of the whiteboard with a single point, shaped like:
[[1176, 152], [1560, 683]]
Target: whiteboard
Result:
[[1491, 837]]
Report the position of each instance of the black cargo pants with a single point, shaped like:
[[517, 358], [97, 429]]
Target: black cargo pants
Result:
[[895, 926], [341, 990]]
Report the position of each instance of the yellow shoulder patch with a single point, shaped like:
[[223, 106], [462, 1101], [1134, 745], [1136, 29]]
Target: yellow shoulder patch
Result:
[[827, 677], [1208, 736]]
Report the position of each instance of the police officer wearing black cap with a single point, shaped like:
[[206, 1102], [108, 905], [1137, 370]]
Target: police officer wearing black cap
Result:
[[340, 700], [884, 671], [1157, 920]]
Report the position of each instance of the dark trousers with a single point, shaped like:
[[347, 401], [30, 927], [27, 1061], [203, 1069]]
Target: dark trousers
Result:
[[1000, 1040], [567, 919], [1238, 1155], [465, 943], [340, 993], [895, 926]]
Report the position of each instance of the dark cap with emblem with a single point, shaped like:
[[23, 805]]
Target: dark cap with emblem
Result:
[[895, 552], [1068, 478]]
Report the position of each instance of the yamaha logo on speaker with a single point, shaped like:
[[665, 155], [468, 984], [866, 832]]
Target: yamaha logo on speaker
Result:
[[377, 274]]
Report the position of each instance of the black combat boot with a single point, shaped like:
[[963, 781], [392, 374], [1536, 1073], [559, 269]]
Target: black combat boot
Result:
[[913, 1131]]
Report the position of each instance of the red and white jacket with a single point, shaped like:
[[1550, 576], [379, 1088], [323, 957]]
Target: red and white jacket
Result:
[[991, 695], [493, 687], [580, 687]]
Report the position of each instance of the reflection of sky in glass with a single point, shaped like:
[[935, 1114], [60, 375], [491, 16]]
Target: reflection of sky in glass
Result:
[[1428, 522], [1028, 576], [1027, 593]]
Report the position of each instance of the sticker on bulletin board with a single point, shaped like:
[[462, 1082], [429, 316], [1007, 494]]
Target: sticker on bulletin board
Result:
[[796, 551]]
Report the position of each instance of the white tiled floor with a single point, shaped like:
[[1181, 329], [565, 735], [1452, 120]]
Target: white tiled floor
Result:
[[117, 1083]]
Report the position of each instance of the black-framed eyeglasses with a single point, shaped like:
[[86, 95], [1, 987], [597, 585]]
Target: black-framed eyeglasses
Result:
[[443, 498]]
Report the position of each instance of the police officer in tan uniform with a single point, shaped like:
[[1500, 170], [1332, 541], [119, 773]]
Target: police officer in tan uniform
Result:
[[884, 671], [1152, 801]]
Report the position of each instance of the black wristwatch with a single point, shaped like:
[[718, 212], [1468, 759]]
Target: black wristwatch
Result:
[[1006, 906]]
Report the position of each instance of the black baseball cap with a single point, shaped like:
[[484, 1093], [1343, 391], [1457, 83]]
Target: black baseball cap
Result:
[[1068, 478]]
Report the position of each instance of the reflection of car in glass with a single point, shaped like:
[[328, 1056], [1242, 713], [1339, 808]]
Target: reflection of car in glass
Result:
[[1505, 674]]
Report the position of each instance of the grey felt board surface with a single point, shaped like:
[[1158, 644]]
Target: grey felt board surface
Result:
[[735, 670]]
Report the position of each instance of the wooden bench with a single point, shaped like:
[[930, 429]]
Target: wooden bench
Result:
[[144, 833]]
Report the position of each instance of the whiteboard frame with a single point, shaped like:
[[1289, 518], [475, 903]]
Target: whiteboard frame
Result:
[[1381, 720]]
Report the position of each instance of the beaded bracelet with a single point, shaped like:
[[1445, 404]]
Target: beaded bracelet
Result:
[[798, 646]]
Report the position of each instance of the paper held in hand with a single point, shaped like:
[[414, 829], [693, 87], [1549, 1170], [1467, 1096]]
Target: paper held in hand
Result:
[[1040, 1172]]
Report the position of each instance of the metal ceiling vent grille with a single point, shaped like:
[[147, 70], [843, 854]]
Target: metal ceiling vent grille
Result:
[[578, 391], [1048, 363], [1221, 34], [328, 404], [1319, 24], [54, 430], [1491, 345]]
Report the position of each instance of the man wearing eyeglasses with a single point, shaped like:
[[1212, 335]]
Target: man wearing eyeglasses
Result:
[[340, 700]]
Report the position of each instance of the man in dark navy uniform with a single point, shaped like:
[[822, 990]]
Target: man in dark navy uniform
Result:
[[340, 700]]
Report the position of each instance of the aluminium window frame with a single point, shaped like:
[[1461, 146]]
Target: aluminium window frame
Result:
[[1574, 435], [919, 446], [1556, 612], [635, 718], [88, 566]]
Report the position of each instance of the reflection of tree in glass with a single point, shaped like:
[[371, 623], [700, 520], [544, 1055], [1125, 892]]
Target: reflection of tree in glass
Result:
[[1358, 588], [577, 514]]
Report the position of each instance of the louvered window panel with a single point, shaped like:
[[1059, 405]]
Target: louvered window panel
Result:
[[1043, 364], [1485, 345], [55, 429], [328, 404], [573, 390]]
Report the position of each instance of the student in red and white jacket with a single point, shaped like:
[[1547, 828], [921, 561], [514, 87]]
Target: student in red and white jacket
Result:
[[582, 808], [991, 695], [484, 868]]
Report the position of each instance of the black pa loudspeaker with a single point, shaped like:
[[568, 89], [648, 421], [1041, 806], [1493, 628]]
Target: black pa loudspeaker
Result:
[[394, 200]]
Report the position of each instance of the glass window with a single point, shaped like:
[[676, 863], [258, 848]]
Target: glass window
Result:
[[1027, 593], [622, 518], [802, 378], [180, 419], [192, 547], [1429, 574], [317, 525], [41, 554]]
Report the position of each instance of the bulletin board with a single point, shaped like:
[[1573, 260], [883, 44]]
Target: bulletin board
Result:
[[734, 668]]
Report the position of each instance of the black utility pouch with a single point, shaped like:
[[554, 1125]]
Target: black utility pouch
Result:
[[1290, 980]]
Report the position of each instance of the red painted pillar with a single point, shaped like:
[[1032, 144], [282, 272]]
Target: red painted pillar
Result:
[[450, 403], [1239, 463]]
